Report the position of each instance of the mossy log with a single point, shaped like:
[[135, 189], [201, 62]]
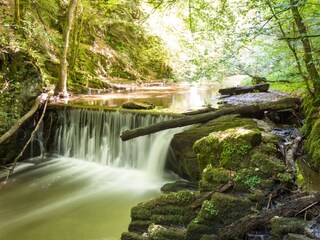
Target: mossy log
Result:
[[246, 89], [284, 103], [251, 222]]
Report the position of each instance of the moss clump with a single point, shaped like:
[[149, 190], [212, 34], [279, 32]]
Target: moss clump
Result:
[[217, 213], [312, 146], [131, 236], [267, 165], [185, 163], [213, 178], [247, 179], [168, 210], [160, 232], [282, 226], [228, 149], [179, 186]]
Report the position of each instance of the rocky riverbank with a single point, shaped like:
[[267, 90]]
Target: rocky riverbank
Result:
[[240, 185]]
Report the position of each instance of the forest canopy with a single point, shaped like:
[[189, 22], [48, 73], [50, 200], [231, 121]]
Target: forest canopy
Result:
[[79, 44]]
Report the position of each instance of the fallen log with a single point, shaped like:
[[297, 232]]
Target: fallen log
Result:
[[284, 103], [251, 222], [22, 120], [245, 89]]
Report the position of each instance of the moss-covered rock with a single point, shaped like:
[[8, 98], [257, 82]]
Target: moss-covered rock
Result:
[[185, 162], [228, 149], [167, 210], [282, 226], [219, 211], [179, 186], [214, 178]]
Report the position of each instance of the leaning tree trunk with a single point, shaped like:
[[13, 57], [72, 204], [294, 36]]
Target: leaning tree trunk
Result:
[[61, 87], [17, 19], [285, 103], [308, 58]]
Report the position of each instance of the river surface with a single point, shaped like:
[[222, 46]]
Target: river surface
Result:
[[67, 199], [179, 97], [85, 187]]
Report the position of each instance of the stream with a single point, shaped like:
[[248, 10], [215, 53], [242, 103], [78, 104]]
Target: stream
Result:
[[84, 189]]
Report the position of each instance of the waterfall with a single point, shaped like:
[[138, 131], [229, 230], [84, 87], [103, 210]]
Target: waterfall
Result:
[[95, 136]]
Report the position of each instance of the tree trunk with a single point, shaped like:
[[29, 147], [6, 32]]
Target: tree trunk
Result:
[[308, 58], [285, 103], [17, 19], [61, 87]]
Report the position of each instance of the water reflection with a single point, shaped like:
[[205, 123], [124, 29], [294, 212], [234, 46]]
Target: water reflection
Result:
[[174, 97]]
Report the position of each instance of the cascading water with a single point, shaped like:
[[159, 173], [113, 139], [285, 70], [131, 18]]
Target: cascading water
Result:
[[87, 190], [95, 136]]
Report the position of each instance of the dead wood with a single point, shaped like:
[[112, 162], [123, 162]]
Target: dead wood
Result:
[[246, 89], [10, 171], [284, 103], [22, 120], [262, 219]]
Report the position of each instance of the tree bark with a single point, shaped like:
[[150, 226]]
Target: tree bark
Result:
[[285, 103], [61, 88], [17, 19], [245, 89], [250, 222]]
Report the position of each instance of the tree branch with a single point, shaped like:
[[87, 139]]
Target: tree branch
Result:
[[299, 37]]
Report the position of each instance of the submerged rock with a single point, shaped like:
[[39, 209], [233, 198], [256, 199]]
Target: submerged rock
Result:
[[138, 105]]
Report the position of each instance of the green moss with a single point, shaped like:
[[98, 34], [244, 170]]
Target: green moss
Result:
[[286, 177], [169, 234], [247, 179], [218, 209], [282, 226], [215, 175], [270, 138], [228, 149], [312, 146], [266, 164], [131, 236]]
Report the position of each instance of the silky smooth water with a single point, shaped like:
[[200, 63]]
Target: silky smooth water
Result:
[[87, 189]]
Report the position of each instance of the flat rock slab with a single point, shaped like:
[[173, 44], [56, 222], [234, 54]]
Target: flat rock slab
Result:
[[250, 98]]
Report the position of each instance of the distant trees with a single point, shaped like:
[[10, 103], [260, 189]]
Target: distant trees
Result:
[[253, 32]]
